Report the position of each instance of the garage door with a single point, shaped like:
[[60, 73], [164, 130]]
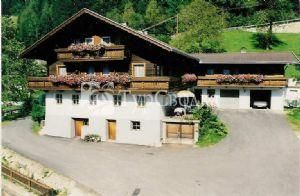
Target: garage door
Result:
[[176, 130], [229, 98]]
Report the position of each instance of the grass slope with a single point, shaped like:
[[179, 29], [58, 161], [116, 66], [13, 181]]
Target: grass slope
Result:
[[234, 40], [293, 116]]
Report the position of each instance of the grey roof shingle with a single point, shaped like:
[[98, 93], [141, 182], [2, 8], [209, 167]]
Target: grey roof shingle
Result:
[[247, 58]]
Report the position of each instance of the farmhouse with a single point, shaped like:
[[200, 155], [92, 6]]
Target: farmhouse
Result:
[[108, 79]]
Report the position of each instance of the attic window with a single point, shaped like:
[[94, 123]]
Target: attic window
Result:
[[106, 40], [89, 40]]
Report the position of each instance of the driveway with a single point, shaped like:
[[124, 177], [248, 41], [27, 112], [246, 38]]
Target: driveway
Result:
[[259, 157]]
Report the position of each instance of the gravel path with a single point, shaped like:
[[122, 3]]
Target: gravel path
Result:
[[259, 157]]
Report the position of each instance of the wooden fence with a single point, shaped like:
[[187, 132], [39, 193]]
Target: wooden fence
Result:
[[30, 183]]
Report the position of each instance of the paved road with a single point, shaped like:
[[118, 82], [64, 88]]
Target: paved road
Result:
[[260, 157]]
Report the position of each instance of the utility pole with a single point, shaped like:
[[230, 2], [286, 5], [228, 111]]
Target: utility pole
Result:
[[176, 17], [177, 23]]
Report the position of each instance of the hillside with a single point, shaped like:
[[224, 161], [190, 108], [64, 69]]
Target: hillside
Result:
[[234, 40]]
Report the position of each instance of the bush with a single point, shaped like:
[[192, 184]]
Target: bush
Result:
[[92, 138], [211, 129], [38, 112]]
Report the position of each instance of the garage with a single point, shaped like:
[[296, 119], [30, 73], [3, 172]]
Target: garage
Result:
[[229, 98], [260, 99], [179, 130]]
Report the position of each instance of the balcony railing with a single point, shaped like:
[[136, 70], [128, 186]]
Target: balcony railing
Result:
[[114, 52], [136, 84], [268, 81]]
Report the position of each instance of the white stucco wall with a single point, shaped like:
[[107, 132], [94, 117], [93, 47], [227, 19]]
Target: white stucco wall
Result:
[[59, 117], [243, 102]]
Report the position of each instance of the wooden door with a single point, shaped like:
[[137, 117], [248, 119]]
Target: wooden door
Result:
[[180, 130], [112, 129], [78, 127]]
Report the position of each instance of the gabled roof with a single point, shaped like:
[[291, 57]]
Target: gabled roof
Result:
[[27, 51], [248, 58]]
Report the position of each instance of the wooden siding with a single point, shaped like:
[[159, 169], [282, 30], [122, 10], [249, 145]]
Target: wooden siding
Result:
[[149, 66], [269, 81]]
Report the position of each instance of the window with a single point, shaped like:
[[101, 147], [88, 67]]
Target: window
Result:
[[62, 70], [141, 100], [139, 70], [211, 92], [229, 93], [226, 71], [75, 99], [105, 70], [117, 100], [85, 121], [210, 72], [106, 40], [58, 98], [135, 125], [89, 40], [93, 99]]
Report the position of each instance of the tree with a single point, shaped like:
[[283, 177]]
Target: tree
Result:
[[15, 70], [271, 11], [132, 18], [201, 25], [154, 13]]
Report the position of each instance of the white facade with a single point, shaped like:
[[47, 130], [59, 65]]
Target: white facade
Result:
[[243, 99], [59, 119]]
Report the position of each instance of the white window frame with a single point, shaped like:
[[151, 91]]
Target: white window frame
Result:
[[90, 43], [58, 98], [135, 125], [141, 100], [117, 100], [104, 42], [140, 65], [93, 99], [75, 99]]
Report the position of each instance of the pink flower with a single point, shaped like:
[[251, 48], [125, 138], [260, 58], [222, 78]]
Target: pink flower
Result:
[[189, 78]]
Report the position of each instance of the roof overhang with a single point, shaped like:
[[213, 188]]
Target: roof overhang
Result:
[[27, 53]]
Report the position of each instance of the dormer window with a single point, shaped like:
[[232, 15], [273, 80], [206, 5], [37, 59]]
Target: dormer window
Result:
[[89, 40], [106, 40]]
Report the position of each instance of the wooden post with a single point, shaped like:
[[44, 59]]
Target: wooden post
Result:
[[177, 23]]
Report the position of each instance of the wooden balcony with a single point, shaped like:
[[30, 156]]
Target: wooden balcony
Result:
[[269, 81], [153, 83], [109, 53], [141, 84]]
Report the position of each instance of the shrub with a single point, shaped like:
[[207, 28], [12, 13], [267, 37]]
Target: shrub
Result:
[[38, 112], [211, 129], [92, 138]]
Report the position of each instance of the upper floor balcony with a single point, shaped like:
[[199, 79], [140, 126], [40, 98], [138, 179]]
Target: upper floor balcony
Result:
[[85, 52], [124, 82], [242, 80]]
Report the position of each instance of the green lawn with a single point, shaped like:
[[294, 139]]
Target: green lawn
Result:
[[234, 40], [293, 116]]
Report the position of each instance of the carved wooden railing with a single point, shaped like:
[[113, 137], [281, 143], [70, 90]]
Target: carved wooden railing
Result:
[[113, 52], [268, 81], [138, 83]]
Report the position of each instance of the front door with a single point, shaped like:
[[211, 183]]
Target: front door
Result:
[[78, 127], [112, 129]]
